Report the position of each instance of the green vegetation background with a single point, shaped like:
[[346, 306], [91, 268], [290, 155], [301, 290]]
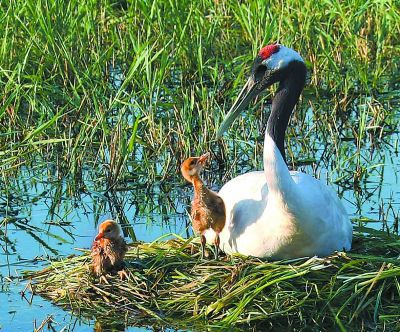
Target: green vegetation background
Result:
[[119, 83]]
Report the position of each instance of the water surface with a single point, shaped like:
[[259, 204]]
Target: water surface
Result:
[[44, 218]]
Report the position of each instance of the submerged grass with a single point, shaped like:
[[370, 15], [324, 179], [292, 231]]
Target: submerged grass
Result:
[[169, 285], [117, 83], [112, 95]]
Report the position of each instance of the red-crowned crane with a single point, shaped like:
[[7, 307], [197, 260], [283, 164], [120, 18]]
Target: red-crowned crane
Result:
[[279, 213]]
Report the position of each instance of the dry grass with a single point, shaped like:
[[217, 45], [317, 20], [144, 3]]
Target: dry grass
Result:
[[170, 286]]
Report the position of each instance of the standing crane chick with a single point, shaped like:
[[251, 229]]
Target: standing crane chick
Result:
[[208, 209], [108, 251]]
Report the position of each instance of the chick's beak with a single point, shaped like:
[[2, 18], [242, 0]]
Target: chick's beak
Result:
[[202, 159], [99, 236]]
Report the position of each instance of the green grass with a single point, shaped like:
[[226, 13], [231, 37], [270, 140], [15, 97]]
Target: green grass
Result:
[[103, 97], [170, 285], [118, 83]]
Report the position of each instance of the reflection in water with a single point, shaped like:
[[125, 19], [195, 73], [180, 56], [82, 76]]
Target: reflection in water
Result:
[[42, 223], [44, 218], [103, 326]]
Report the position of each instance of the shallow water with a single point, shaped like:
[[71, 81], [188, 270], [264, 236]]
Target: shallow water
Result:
[[43, 219], [34, 239], [78, 227]]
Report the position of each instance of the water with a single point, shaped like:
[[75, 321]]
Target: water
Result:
[[35, 237], [44, 219]]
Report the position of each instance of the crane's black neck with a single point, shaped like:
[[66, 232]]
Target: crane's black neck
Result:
[[290, 86]]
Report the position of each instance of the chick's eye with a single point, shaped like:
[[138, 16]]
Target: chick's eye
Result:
[[192, 162], [108, 230]]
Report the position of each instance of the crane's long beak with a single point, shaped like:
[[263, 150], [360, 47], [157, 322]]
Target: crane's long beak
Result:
[[248, 92]]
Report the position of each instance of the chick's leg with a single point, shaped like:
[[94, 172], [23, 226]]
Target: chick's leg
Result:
[[216, 246], [203, 246], [103, 279], [123, 275]]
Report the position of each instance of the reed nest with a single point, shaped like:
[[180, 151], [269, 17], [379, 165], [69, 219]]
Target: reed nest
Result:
[[170, 285]]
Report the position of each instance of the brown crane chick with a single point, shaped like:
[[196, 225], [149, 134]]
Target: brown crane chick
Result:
[[108, 251], [208, 209]]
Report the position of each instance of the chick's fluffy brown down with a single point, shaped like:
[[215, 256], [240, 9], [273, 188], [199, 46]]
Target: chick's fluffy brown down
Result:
[[208, 211], [108, 249], [108, 256]]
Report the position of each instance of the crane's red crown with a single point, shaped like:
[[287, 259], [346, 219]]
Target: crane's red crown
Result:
[[268, 50]]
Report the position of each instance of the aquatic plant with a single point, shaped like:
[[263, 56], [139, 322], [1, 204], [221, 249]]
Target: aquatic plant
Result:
[[119, 83], [170, 285]]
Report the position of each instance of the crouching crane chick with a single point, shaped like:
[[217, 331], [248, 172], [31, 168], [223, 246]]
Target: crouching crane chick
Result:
[[208, 209], [108, 251]]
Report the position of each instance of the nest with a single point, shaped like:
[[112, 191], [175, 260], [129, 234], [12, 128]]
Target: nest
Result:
[[170, 285]]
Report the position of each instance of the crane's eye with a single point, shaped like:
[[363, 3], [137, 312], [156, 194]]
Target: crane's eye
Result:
[[259, 73]]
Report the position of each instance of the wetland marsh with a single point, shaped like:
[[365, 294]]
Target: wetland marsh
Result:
[[102, 100]]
